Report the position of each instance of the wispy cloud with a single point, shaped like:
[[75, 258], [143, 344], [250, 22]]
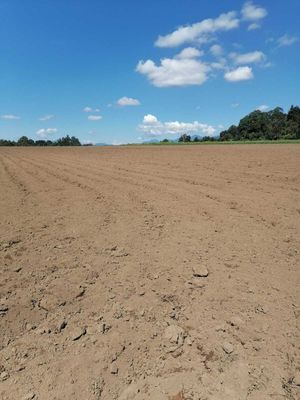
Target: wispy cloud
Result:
[[151, 126], [91, 110], [239, 74], [263, 107], [287, 40], [9, 117], [200, 32], [46, 117], [128, 101], [248, 58], [45, 132], [94, 117]]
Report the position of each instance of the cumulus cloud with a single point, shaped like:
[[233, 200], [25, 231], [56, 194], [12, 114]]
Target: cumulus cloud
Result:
[[182, 70], [46, 117], [44, 132], [151, 126], [216, 50], [286, 40], [199, 32], [251, 12], [239, 74], [94, 117], [263, 107], [189, 52], [9, 117], [247, 58], [90, 110], [150, 119], [128, 101]]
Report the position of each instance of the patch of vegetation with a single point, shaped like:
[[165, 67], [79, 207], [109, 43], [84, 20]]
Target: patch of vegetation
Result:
[[25, 141], [269, 125]]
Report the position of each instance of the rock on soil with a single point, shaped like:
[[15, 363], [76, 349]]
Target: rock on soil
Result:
[[174, 334], [200, 272]]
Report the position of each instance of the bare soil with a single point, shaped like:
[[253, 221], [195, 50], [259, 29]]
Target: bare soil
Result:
[[150, 273]]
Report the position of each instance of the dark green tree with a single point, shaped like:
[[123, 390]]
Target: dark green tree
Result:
[[184, 138]]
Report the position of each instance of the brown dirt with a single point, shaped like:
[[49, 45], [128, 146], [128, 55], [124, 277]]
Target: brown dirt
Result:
[[150, 273]]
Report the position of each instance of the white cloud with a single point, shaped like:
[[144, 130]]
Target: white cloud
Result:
[[216, 50], [94, 117], [220, 64], [128, 101], [235, 105], [46, 117], [251, 12], [90, 110], [253, 26], [189, 52], [9, 117], [287, 40], [44, 132], [87, 109], [150, 119], [239, 74], [151, 126], [182, 70], [254, 14], [246, 58], [263, 107], [200, 32]]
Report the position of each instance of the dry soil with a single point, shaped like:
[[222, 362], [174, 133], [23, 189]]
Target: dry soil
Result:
[[159, 273]]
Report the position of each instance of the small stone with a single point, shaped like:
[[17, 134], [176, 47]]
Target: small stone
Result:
[[200, 272], [3, 376], [141, 292], [78, 333], [175, 334], [3, 309], [18, 269], [220, 328], [114, 368], [227, 347], [29, 396], [29, 327], [189, 340], [296, 379], [235, 321], [61, 326], [80, 292], [105, 328], [261, 310]]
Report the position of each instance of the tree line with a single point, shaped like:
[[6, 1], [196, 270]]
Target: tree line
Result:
[[258, 125], [268, 125], [25, 141]]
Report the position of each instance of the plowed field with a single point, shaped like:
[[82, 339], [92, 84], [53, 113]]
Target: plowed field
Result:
[[164, 272]]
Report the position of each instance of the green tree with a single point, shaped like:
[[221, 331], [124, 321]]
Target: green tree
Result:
[[184, 138], [24, 141]]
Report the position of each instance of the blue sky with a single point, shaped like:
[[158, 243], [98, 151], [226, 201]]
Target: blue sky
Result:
[[120, 71]]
